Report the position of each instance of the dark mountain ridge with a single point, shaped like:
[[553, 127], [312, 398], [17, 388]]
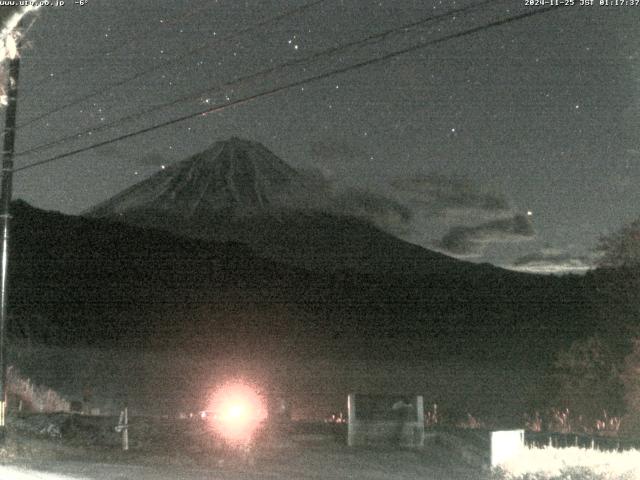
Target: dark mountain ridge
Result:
[[79, 281]]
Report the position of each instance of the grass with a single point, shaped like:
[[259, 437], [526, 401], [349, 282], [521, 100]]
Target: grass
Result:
[[34, 397]]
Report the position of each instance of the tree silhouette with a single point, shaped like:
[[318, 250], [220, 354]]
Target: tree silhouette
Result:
[[631, 379], [621, 248], [587, 383]]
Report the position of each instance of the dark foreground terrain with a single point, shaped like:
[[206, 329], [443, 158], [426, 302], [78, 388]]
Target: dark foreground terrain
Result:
[[72, 446]]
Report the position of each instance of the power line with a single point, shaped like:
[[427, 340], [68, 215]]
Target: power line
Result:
[[298, 83], [253, 76], [104, 89]]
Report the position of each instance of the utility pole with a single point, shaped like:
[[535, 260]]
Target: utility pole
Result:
[[5, 216]]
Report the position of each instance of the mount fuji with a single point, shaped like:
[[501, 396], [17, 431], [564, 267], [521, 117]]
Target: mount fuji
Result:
[[239, 191], [232, 180]]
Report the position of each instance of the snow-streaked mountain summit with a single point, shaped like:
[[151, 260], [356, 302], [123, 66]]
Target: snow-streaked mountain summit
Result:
[[233, 179]]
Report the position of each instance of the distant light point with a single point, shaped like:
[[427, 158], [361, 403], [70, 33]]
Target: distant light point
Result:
[[529, 213]]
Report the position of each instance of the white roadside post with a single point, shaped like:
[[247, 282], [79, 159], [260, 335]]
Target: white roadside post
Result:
[[123, 427]]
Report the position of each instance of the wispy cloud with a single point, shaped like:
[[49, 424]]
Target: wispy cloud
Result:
[[473, 216], [453, 197], [549, 260], [384, 212], [471, 241]]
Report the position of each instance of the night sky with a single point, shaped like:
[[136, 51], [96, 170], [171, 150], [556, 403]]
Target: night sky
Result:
[[517, 145]]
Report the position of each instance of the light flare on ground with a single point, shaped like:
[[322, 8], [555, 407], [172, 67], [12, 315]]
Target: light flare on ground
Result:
[[238, 410]]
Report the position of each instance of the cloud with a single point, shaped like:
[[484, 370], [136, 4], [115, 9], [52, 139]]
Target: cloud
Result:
[[551, 261], [316, 177], [472, 216], [327, 195], [421, 208], [452, 197], [471, 241], [382, 211]]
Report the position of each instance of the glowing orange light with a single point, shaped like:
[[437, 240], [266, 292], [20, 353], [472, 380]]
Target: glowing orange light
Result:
[[238, 411]]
